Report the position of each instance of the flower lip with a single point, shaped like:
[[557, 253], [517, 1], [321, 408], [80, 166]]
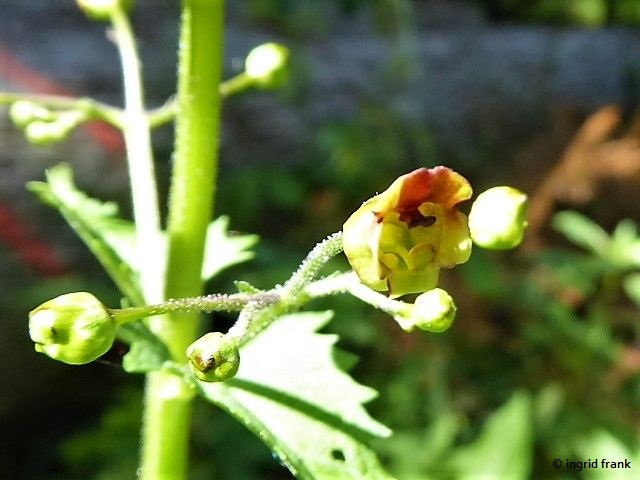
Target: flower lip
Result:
[[439, 185]]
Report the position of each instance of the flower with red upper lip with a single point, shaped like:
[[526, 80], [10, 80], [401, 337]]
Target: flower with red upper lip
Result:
[[399, 240]]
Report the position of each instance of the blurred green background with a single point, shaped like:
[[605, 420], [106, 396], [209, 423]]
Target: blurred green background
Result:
[[543, 361]]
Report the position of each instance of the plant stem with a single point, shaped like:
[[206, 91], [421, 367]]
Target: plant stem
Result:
[[168, 397], [228, 88], [137, 138], [313, 263]]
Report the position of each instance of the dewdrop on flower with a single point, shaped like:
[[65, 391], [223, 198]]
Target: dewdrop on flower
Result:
[[497, 220], [75, 328]]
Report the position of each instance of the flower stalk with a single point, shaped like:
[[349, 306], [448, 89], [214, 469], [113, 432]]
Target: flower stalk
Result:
[[168, 398]]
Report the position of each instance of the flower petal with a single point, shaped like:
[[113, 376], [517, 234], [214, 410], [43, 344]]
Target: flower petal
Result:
[[361, 235], [455, 246], [448, 188]]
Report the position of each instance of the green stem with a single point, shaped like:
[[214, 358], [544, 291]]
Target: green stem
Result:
[[137, 138], [350, 283], [168, 398], [228, 88], [217, 302], [314, 262], [237, 84]]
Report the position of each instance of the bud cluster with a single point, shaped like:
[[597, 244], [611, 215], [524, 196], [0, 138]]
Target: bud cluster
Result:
[[42, 126]]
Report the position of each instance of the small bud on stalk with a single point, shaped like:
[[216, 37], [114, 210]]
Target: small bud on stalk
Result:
[[497, 220], [75, 328], [267, 65], [432, 311], [102, 9], [41, 133], [214, 357], [23, 112]]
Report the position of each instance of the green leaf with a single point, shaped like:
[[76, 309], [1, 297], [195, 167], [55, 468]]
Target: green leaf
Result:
[[290, 393], [601, 445], [147, 351], [625, 245], [96, 223], [631, 285], [223, 249], [504, 448], [582, 231]]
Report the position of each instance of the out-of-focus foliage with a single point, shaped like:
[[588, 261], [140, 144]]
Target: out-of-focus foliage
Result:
[[585, 12], [294, 16]]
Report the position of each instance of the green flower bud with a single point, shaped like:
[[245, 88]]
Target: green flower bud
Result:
[[498, 218], [75, 328], [43, 133], [267, 65], [23, 112], [102, 9], [214, 357], [432, 311]]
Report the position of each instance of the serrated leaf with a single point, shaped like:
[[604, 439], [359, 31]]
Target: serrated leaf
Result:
[[291, 394], [582, 231], [96, 223], [223, 249], [504, 448], [147, 351]]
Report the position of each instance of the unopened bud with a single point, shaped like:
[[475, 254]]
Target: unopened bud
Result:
[[43, 133], [102, 9], [214, 357], [23, 112], [498, 218], [432, 311], [75, 328], [267, 65]]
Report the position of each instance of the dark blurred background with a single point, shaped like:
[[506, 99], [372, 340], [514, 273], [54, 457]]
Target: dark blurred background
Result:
[[543, 361]]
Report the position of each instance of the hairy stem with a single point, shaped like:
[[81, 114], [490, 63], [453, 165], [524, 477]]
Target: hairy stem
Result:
[[168, 398]]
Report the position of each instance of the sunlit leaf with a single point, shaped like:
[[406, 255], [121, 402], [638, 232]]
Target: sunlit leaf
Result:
[[96, 223], [625, 245], [290, 392], [223, 249], [582, 231], [147, 351]]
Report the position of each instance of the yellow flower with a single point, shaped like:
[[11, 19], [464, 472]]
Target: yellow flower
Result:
[[399, 240]]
